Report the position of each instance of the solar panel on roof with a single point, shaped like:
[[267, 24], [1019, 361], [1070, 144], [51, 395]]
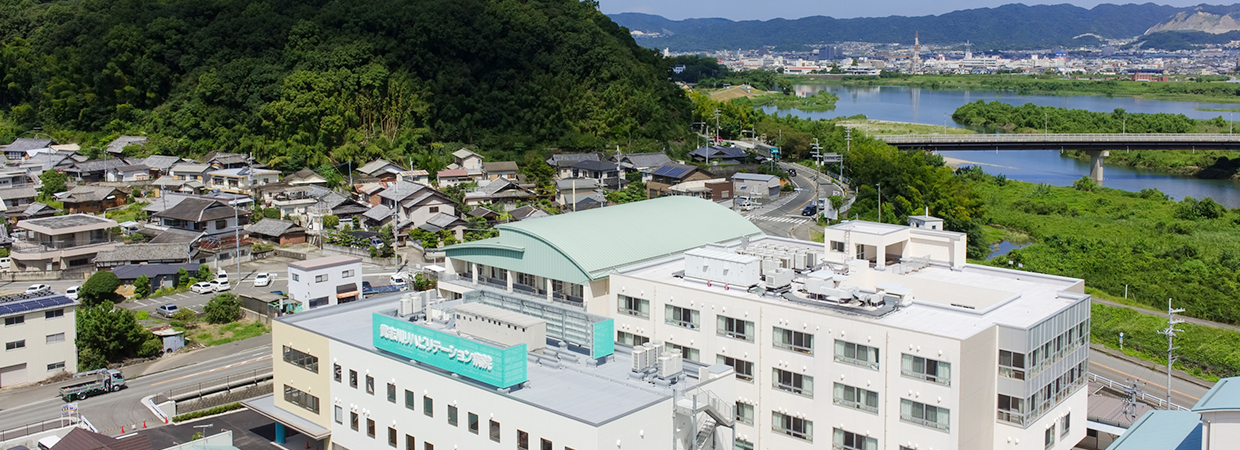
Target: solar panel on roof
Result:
[[9, 306]]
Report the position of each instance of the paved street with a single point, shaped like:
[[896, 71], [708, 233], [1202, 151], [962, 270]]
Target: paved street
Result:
[[784, 218], [1183, 393]]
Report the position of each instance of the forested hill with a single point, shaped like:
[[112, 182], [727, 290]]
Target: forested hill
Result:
[[304, 83], [1013, 26]]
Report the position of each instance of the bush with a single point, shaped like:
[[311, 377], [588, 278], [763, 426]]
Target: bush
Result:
[[90, 359], [100, 288], [223, 308], [142, 286], [207, 412], [330, 222], [204, 272], [271, 213], [151, 347], [182, 278], [186, 316]]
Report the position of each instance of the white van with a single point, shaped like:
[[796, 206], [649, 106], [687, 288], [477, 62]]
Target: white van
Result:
[[6, 264]]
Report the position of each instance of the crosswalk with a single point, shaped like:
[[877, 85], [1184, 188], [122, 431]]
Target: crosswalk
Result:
[[784, 219]]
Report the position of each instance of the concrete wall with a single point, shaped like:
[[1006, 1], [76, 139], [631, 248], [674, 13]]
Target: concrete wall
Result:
[[286, 374], [304, 288], [38, 353]]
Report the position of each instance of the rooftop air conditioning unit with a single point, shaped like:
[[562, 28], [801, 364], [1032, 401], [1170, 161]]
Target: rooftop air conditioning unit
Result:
[[670, 364], [639, 358]]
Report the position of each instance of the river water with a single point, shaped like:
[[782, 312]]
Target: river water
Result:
[[910, 104]]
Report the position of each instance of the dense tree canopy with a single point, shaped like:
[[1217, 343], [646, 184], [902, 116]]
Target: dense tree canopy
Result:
[[305, 84], [1033, 118]]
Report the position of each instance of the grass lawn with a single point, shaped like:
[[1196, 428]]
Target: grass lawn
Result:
[[882, 127], [209, 335]]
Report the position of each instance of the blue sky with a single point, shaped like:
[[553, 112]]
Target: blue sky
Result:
[[795, 9]]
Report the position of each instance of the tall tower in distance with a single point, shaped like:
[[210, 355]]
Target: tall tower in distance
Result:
[[916, 52]]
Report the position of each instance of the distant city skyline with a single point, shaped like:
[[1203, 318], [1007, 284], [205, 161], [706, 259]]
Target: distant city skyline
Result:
[[795, 9]]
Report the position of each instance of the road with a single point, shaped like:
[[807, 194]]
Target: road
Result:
[[108, 412], [783, 216], [1183, 393]]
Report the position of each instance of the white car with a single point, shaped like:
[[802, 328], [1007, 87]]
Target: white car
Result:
[[72, 292], [222, 275], [38, 288], [264, 279], [202, 288], [220, 285]]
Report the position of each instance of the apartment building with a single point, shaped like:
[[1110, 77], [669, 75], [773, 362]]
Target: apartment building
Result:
[[325, 281], [61, 242], [38, 334]]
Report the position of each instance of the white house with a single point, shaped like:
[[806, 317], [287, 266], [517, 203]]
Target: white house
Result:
[[38, 334], [325, 281]]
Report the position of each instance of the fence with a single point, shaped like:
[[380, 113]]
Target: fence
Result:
[[46, 425], [80, 273], [223, 398], [289, 254], [219, 384], [1142, 396]]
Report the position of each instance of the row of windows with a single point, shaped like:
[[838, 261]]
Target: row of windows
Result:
[[1020, 366], [322, 277], [1021, 411], [18, 320], [301, 359], [50, 339], [428, 409], [302, 399]]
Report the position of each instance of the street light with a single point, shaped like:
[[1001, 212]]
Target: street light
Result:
[[944, 123], [1045, 123]]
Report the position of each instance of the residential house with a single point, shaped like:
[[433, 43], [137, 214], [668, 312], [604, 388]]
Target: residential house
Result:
[[40, 334], [277, 232], [420, 176], [440, 222], [325, 281], [61, 242], [368, 193], [159, 164], [715, 189], [672, 174], [381, 169], [452, 177], [305, 176], [166, 185], [716, 154], [490, 216], [415, 203], [597, 170], [501, 169], [643, 163], [30, 211], [129, 173], [377, 216], [117, 146], [241, 179], [18, 197], [82, 439], [189, 171], [563, 162], [200, 215], [92, 199], [469, 161], [292, 201], [146, 253], [501, 192], [47, 161], [756, 185], [160, 275], [527, 212], [335, 204], [19, 148], [224, 160], [575, 192], [15, 178], [93, 170]]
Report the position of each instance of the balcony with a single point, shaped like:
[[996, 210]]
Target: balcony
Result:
[[465, 280], [52, 246]]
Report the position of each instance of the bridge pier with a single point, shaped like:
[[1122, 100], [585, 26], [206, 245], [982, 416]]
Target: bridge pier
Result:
[[1095, 164]]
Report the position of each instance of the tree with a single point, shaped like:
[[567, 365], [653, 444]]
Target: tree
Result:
[[204, 272], [331, 221], [182, 278], [536, 170], [142, 286], [271, 213], [107, 334], [223, 308], [53, 183], [100, 289]]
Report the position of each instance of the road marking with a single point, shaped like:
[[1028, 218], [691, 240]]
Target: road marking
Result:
[[1092, 363], [779, 219], [213, 370]]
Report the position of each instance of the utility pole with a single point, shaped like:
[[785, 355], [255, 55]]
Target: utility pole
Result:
[[880, 201], [1045, 123], [1170, 332], [847, 150], [717, 134]]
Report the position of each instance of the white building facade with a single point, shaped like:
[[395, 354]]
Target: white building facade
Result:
[[325, 281], [39, 336]]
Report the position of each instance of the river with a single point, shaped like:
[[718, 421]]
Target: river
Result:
[[925, 106]]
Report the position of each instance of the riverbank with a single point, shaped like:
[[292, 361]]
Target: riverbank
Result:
[[1203, 164], [819, 102], [880, 127], [1186, 91]]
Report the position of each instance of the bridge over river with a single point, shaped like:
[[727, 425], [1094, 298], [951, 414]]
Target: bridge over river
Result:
[[1097, 145]]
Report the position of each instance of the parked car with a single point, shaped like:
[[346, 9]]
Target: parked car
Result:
[[222, 275], [168, 310], [748, 206], [38, 288], [365, 284], [72, 292], [202, 287], [219, 285], [809, 210], [6, 264], [263, 279]]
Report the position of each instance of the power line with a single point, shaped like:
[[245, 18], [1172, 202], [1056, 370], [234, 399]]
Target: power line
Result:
[[1170, 332]]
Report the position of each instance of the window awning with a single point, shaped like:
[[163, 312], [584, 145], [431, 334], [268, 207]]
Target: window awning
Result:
[[347, 294], [265, 406]]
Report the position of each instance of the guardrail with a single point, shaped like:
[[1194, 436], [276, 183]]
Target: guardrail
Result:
[[46, 425], [1056, 138], [1142, 396], [219, 384]]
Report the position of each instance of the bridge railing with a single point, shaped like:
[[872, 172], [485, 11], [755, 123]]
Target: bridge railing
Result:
[[1056, 137]]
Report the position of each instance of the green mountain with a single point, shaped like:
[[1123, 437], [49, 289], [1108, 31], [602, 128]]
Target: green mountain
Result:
[[318, 82], [1013, 26]]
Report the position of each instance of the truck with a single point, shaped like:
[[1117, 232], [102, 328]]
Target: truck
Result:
[[102, 381]]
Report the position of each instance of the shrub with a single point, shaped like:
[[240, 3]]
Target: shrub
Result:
[[186, 316], [207, 412], [223, 308], [330, 222], [151, 347], [182, 278], [101, 287], [271, 213], [142, 286], [204, 272]]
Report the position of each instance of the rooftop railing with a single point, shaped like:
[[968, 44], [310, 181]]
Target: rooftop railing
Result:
[[40, 247]]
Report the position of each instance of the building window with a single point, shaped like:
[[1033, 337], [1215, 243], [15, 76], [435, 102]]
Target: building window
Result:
[[926, 369], [735, 328], [370, 428], [1012, 365], [688, 353], [631, 339], [925, 415], [847, 440], [15, 345], [452, 415], [682, 317], [428, 406], [633, 306], [221, 224], [744, 369], [793, 340], [837, 246], [302, 399], [1011, 409], [353, 421], [391, 393], [1065, 423], [856, 354], [1050, 436], [742, 444], [792, 426], [410, 399], [15, 320], [320, 278], [353, 379], [410, 443], [295, 277], [301, 359], [336, 372], [793, 382], [391, 437], [53, 314], [370, 384], [494, 431], [856, 398], [744, 413], [427, 446], [54, 338], [434, 209], [61, 365], [338, 413], [545, 444], [346, 274], [523, 440], [473, 423]]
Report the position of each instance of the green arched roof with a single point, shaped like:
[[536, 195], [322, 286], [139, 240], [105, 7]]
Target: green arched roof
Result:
[[587, 245]]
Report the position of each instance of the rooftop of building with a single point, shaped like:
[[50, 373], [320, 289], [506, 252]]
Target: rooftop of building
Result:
[[950, 303], [11, 305], [67, 224], [324, 262], [1224, 396], [591, 394], [1162, 430]]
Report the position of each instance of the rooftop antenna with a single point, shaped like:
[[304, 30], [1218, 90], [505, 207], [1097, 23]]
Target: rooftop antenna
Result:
[[1170, 332]]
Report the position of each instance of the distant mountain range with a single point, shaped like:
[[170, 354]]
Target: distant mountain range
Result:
[[1013, 26]]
